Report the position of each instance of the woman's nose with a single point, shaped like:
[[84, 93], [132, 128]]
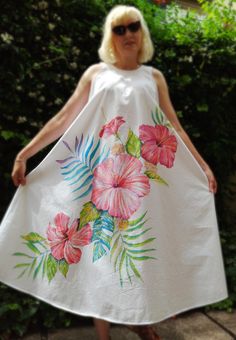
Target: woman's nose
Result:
[[128, 33]]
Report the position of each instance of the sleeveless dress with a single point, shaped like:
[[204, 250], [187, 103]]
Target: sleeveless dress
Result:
[[117, 222]]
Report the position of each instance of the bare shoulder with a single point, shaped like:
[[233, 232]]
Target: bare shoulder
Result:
[[159, 77], [91, 72]]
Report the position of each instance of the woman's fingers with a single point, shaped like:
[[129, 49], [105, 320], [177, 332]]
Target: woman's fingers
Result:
[[18, 173], [212, 181], [212, 185], [18, 179]]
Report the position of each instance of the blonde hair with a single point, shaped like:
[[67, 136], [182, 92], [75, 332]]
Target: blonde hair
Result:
[[115, 17]]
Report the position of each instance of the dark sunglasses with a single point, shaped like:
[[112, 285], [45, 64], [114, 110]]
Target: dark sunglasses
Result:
[[121, 29]]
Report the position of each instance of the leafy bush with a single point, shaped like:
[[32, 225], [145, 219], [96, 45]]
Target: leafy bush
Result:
[[45, 47]]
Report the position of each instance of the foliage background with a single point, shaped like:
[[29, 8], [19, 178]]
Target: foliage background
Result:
[[44, 48]]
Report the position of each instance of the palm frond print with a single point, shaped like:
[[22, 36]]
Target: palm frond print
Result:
[[128, 248], [103, 229], [159, 118], [78, 168]]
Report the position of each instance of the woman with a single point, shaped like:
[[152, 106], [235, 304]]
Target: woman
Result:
[[141, 151]]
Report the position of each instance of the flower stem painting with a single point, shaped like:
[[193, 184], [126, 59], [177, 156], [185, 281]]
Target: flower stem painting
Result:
[[112, 180]]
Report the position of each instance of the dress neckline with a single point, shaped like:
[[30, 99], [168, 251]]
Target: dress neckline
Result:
[[123, 70]]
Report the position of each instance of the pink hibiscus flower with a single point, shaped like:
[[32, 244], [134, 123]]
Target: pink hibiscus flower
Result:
[[118, 185], [159, 145], [112, 127], [64, 241]]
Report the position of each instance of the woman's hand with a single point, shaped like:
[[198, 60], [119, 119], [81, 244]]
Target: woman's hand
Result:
[[211, 180], [18, 172]]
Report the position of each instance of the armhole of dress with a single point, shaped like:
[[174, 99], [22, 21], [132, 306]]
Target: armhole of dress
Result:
[[102, 68], [150, 71]]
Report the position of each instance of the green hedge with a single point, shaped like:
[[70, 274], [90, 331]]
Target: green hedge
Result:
[[45, 47]]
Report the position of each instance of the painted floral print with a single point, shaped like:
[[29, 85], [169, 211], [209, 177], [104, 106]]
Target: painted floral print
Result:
[[65, 241], [61, 248], [113, 182], [112, 127], [119, 185], [117, 149], [159, 146]]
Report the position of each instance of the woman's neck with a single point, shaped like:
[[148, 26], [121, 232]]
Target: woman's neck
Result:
[[127, 64]]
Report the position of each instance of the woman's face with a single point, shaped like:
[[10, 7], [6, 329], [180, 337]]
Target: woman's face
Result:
[[129, 43]]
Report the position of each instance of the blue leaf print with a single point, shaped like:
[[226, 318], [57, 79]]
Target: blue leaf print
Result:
[[78, 167], [103, 229]]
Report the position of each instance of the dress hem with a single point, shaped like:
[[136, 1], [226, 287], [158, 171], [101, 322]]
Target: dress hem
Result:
[[94, 315]]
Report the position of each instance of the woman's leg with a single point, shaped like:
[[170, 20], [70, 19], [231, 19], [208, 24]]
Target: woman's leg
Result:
[[144, 332], [102, 328]]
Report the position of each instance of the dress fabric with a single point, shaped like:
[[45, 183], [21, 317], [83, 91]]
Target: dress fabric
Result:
[[117, 222]]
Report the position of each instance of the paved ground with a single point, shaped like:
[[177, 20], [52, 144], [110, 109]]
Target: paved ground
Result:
[[194, 325]]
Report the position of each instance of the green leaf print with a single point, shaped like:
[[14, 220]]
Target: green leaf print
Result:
[[139, 244], [32, 247], [20, 265], [122, 259], [153, 175], [33, 237], [39, 266], [129, 237], [63, 267], [37, 261], [32, 266], [51, 267], [133, 145], [88, 213], [135, 270], [137, 220], [23, 254], [159, 118], [142, 258], [128, 246]]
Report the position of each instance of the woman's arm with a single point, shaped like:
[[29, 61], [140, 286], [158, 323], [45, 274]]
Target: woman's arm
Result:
[[56, 126], [167, 107]]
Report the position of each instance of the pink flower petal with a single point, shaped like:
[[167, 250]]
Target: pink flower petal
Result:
[[58, 251], [112, 127], [118, 185], [167, 157], [61, 221], [102, 172], [73, 229], [71, 254], [137, 184], [159, 145], [150, 152], [81, 237], [147, 133], [124, 203], [171, 143], [101, 197], [126, 165], [65, 245], [161, 133], [53, 235]]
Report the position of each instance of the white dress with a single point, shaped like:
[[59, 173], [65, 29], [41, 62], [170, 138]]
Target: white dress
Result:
[[117, 222]]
